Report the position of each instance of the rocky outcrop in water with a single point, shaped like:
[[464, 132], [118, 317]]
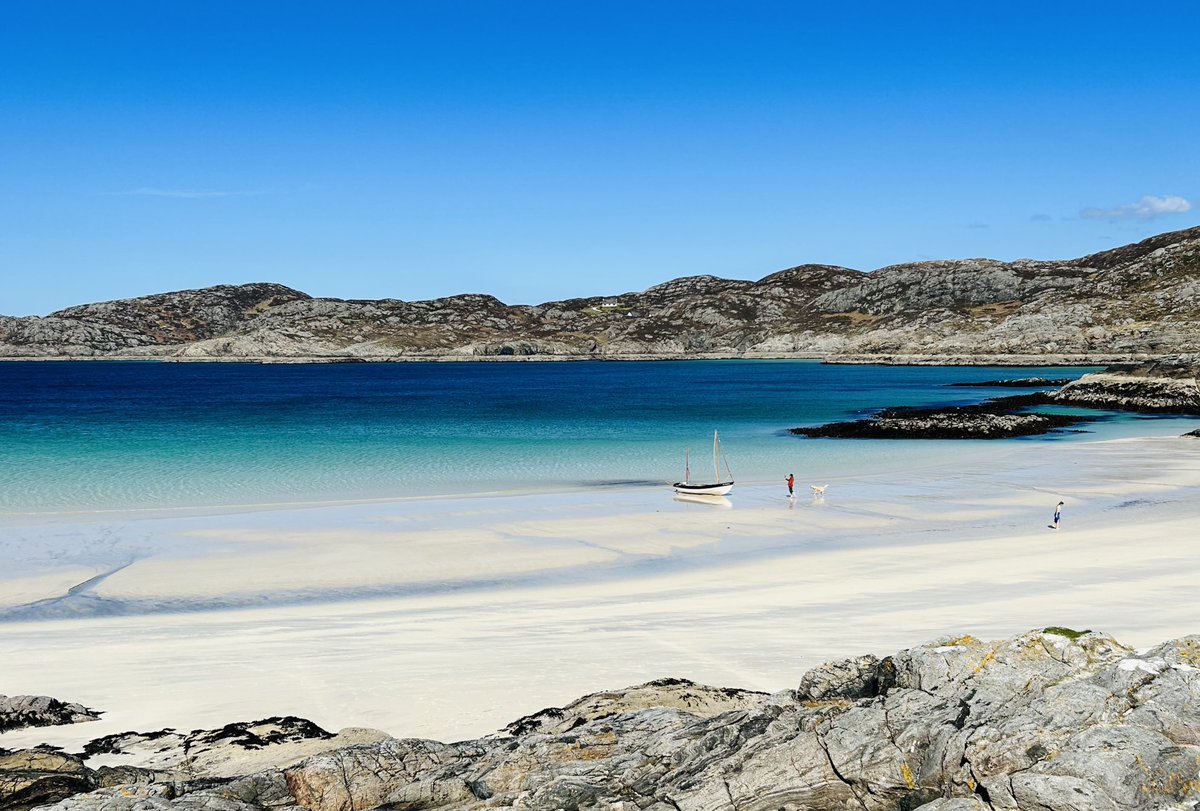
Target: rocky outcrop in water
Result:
[[943, 424], [1015, 383], [18, 712], [1167, 386], [1000, 418], [1057, 720], [1135, 302]]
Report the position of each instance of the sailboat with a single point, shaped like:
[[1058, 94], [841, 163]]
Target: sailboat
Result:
[[718, 487]]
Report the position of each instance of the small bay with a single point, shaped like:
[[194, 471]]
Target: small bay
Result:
[[81, 436]]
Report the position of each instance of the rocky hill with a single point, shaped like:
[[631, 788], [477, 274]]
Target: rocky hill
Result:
[[1133, 303], [1056, 720]]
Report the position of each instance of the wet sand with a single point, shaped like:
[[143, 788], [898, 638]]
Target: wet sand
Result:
[[447, 618]]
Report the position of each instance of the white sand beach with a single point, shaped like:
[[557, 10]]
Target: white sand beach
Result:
[[448, 618]]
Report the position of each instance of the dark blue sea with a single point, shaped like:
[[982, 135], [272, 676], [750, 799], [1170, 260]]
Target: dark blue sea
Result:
[[119, 435]]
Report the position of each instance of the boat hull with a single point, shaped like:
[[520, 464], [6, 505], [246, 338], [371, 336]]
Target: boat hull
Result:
[[719, 489]]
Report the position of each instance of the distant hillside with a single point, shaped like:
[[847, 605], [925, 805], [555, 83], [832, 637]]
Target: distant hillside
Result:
[[1133, 302]]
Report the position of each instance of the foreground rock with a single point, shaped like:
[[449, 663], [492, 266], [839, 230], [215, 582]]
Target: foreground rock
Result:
[[18, 712], [676, 694], [233, 750], [34, 777], [1131, 303], [1052, 720], [158, 766]]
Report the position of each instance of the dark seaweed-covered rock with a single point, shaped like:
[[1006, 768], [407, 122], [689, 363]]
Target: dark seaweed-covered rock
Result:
[[944, 425], [1017, 383], [1167, 386], [18, 712], [998, 418], [225, 752]]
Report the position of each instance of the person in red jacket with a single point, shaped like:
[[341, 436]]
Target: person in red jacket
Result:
[[791, 483]]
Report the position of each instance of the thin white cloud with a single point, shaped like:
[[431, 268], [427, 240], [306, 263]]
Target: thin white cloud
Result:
[[1148, 208], [193, 194]]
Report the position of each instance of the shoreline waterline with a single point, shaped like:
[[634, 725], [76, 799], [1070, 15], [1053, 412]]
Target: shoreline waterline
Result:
[[1000, 361], [422, 618], [130, 435]]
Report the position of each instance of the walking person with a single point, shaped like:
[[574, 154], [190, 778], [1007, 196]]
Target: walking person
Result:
[[1057, 515], [791, 483]]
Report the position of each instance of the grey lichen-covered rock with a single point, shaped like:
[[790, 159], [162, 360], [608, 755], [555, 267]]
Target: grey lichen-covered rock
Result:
[[697, 699], [1054, 719], [34, 777], [266, 790], [956, 804], [232, 767], [17, 712], [42, 776], [1138, 301], [862, 677]]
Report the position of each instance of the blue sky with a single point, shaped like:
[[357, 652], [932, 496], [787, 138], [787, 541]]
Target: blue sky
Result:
[[545, 150]]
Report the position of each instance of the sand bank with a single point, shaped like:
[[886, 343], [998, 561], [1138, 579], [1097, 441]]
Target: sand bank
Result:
[[447, 618]]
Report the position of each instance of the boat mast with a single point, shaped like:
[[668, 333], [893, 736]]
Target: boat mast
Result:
[[716, 467]]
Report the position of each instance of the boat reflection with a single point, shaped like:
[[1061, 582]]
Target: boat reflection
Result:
[[712, 501]]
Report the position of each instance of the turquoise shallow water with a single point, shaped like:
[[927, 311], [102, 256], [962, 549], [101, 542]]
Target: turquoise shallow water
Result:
[[115, 435]]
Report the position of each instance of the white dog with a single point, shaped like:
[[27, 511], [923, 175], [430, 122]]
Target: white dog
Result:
[[818, 489]]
